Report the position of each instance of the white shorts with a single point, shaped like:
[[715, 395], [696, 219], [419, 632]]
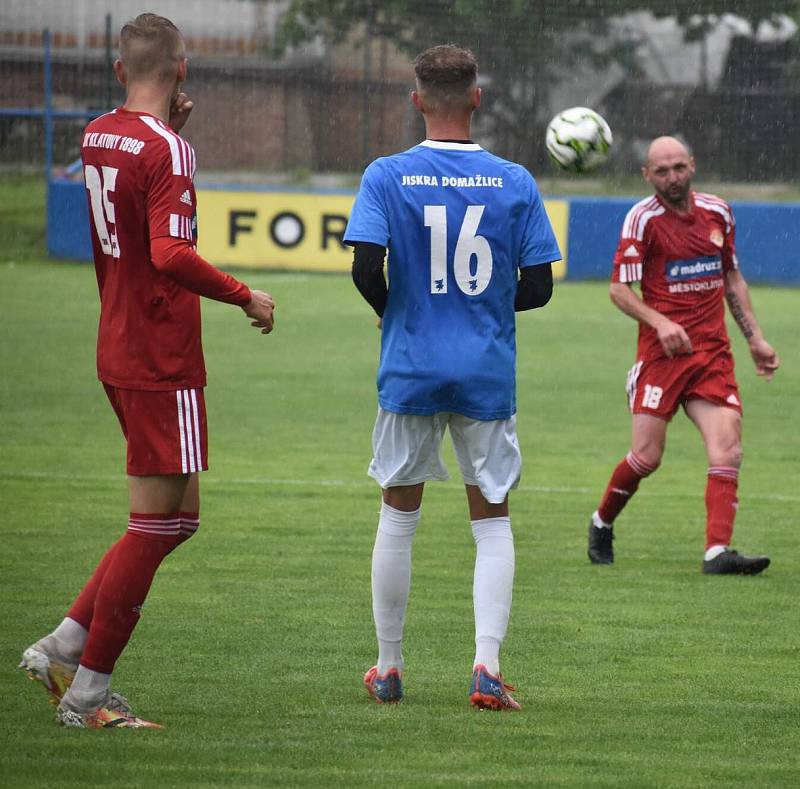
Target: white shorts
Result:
[[406, 451]]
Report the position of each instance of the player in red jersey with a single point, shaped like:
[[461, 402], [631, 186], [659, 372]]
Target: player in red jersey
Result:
[[139, 181], [679, 244]]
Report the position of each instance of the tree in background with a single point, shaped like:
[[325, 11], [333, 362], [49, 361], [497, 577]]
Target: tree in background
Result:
[[524, 48]]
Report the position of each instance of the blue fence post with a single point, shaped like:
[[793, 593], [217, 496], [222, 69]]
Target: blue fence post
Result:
[[48, 108]]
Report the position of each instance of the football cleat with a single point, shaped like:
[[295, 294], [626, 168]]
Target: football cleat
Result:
[[56, 677], [732, 563], [489, 692], [387, 689], [601, 548], [115, 713]]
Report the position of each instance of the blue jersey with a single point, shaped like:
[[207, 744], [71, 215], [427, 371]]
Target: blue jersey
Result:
[[459, 222]]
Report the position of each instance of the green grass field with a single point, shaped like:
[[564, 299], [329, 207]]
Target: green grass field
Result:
[[257, 632]]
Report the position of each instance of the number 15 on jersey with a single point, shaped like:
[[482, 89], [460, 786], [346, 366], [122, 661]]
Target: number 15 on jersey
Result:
[[100, 187]]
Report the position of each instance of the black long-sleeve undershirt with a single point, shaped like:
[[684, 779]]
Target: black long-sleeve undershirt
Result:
[[534, 288], [368, 274]]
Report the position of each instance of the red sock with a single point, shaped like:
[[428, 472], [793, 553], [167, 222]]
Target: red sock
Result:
[[623, 484], [721, 504], [189, 524], [83, 607], [124, 587]]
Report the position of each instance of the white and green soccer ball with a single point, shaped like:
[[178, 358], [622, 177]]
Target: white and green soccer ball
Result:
[[578, 139]]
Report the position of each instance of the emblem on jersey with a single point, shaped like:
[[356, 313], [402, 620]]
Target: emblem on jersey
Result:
[[631, 252], [732, 399], [716, 238], [186, 197]]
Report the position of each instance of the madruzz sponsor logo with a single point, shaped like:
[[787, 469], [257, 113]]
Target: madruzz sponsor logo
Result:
[[695, 268]]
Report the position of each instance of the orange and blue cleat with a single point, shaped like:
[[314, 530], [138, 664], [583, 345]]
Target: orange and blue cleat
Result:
[[387, 689], [489, 692]]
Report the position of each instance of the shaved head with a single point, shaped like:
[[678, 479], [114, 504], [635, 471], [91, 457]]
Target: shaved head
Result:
[[669, 169], [666, 147]]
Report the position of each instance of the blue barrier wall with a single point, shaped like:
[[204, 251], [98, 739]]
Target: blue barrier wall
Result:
[[68, 221], [767, 239], [767, 234]]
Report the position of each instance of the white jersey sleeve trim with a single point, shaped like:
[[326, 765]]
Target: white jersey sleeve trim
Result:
[[180, 227], [630, 272]]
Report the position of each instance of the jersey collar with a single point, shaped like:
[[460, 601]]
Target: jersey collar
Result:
[[451, 146]]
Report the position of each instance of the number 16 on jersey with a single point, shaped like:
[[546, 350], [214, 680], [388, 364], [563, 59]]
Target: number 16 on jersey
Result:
[[471, 280]]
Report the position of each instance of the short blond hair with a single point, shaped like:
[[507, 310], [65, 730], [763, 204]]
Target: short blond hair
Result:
[[150, 46]]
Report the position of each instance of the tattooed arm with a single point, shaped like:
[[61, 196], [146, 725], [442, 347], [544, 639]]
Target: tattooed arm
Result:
[[738, 298]]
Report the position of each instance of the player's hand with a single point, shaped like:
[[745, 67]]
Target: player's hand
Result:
[[261, 309], [179, 112], [673, 338], [765, 358]]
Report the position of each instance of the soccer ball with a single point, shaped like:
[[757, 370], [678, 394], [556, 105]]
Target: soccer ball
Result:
[[578, 139]]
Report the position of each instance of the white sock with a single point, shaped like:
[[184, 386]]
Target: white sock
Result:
[[714, 551], [599, 522], [66, 642], [89, 689], [492, 587], [391, 582], [487, 651]]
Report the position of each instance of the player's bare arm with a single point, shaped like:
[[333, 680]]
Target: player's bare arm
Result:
[[261, 309], [179, 112], [737, 295], [672, 336]]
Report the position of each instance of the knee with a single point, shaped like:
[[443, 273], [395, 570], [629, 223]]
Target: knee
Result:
[[646, 459], [406, 498], [729, 454]]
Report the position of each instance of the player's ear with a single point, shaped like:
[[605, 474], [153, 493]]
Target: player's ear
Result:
[[416, 100], [183, 67], [476, 98], [119, 71], [645, 173]]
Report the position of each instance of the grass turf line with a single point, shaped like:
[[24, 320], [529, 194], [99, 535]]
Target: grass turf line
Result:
[[256, 633]]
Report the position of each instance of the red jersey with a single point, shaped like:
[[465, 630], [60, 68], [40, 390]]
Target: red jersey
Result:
[[681, 262], [138, 176]]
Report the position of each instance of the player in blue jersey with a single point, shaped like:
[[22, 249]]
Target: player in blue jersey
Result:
[[469, 244]]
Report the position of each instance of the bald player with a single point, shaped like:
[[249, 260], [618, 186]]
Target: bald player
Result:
[[679, 245]]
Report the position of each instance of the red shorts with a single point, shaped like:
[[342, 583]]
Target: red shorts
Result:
[[166, 431], [658, 387]]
